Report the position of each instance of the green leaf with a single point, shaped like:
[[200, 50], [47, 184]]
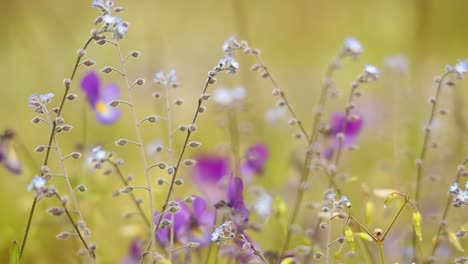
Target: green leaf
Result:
[[417, 224], [350, 238], [455, 241], [14, 255]]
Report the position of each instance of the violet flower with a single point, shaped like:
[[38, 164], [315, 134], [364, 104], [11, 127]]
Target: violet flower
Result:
[[235, 199], [209, 173], [8, 156], [349, 128], [100, 97], [256, 157], [135, 252], [190, 224]]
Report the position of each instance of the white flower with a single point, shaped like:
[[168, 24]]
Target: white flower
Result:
[[228, 64], [263, 204], [239, 93], [461, 67], [371, 70], [46, 98], [220, 232], [353, 46], [398, 63], [229, 43], [121, 29], [462, 196], [97, 154], [37, 183], [108, 19], [453, 187], [274, 114], [223, 96]]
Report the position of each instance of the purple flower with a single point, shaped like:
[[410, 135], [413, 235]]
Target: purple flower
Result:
[[8, 156], [255, 158], [190, 224], [209, 173], [235, 198], [350, 128], [135, 252], [99, 98]]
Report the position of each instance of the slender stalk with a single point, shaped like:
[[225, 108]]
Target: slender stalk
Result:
[[444, 215], [422, 155], [235, 145], [381, 253], [75, 226], [139, 139], [134, 199], [329, 234], [52, 134]]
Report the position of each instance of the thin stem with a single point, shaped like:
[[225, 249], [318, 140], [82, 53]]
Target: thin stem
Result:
[[283, 96], [444, 215], [394, 219], [75, 226], [52, 134], [329, 234], [134, 199], [234, 135], [181, 155], [427, 134], [139, 139], [381, 253]]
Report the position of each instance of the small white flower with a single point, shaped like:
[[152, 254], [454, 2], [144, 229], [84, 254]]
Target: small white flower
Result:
[[461, 67], [108, 19], [371, 70], [154, 147], [172, 76], [263, 204], [453, 187], [228, 43], [46, 98], [239, 93], [274, 114], [121, 29], [353, 46], [220, 232], [97, 154], [398, 63], [37, 184], [462, 196], [223, 96], [228, 64]]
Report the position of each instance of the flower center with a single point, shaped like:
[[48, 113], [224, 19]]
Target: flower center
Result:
[[101, 107]]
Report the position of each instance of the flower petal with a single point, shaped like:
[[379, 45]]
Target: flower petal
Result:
[[107, 115], [109, 93], [90, 85]]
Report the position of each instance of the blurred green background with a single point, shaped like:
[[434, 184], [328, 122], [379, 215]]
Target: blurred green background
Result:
[[297, 38]]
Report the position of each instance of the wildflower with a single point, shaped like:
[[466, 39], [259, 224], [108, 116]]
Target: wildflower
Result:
[[235, 199], [38, 102], [371, 73], [454, 188], [263, 204], [190, 224], [348, 128], [99, 98], [208, 174], [353, 47], [121, 29], [135, 252], [228, 64], [96, 156], [225, 97], [397, 63], [255, 158], [230, 45], [462, 196], [274, 114], [222, 232], [37, 184], [460, 68], [8, 156]]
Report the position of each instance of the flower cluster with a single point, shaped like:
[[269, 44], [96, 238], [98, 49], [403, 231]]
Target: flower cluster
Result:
[[461, 196], [39, 102], [110, 22]]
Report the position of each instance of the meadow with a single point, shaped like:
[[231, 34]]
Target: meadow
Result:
[[233, 132]]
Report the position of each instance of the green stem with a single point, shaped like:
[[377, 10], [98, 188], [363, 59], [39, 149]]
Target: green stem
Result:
[[381, 253]]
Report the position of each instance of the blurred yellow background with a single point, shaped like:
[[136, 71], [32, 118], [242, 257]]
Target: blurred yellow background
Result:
[[297, 38]]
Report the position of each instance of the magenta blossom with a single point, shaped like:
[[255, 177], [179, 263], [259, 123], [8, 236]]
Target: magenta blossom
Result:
[[254, 162], [100, 97], [190, 224], [350, 128], [235, 199]]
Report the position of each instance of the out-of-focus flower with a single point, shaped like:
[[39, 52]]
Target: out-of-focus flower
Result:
[[462, 195], [274, 114], [99, 98], [209, 174], [461, 68], [230, 45], [348, 128], [134, 253], [8, 156], [96, 157], [225, 96], [454, 188], [235, 199], [39, 102], [353, 47], [190, 224], [263, 203], [37, 184], [397, 63], [256, 157], [228, 64]]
